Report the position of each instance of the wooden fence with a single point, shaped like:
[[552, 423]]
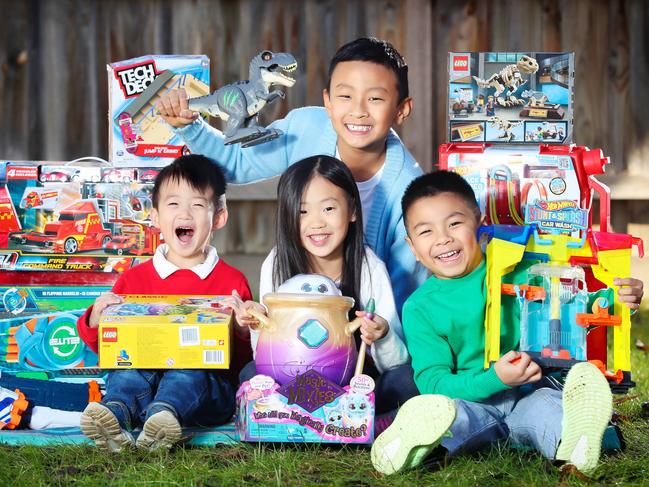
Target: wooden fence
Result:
[[53, 56]]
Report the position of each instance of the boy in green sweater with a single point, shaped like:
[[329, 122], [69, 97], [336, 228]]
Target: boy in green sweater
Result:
[[465, 407]]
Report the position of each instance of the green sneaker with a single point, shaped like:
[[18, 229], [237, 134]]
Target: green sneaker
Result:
[[100, 425], [587, 409], [417, 429]]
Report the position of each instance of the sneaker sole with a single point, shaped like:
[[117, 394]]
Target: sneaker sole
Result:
[[160, 431], [100, 425], [420, 424], [587, 409]]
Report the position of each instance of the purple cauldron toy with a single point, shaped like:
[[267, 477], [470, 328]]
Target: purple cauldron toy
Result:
[[307, 328]]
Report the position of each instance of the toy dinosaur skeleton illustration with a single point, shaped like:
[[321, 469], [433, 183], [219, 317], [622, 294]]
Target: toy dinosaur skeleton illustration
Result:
[[238, 104], [535, 98], [508, 80], [505, 125]]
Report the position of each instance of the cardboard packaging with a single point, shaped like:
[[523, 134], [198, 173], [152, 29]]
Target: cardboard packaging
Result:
[[510, 97], [166, 332], [310, 408], [60, 217], [137, 135]]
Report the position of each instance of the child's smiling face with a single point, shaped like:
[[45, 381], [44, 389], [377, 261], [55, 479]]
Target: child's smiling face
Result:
[[442, 233], [324, 219], [363, 103], [186, 218]]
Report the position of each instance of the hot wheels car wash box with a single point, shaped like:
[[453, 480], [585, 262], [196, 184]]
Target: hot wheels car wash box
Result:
[[166, 332], [310, 408], [137, 135], [38, 319]]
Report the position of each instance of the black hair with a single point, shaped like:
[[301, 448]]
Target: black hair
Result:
[[437, 182], [291, 258], [200, 172], [376, 51]]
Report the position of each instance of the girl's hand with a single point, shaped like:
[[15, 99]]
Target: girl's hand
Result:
[[515, 369], [240, 308], [373, 327], [629, 291], [101, 303]]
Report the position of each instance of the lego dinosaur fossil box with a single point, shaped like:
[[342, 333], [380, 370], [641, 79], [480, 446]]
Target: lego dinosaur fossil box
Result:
[[510, 97], [165, 332], [137, 135], [309, 408], [59, 217]]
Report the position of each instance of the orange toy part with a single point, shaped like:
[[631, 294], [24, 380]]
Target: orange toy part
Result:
[[599, 317], [532, 293], [94, 394], [19, 407], [616, 377]]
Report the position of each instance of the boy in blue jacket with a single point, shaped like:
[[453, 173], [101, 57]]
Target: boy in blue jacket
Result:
[[366, 95]]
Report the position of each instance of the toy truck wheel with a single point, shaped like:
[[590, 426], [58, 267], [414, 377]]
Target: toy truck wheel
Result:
[[70, 246], [105, 241]]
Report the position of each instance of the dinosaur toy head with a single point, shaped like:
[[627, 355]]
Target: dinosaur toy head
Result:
[[273, 67], [496, 121], [527, 65]]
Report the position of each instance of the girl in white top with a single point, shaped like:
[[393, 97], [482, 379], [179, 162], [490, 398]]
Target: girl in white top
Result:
[[320, 231]]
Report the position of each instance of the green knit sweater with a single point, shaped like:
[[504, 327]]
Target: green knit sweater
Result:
[[443, 323]]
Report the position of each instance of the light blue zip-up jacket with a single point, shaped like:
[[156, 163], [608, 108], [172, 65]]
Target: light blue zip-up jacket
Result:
[[308, 132]]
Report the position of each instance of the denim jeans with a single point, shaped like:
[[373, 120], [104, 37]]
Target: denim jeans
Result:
[[196, 397], [393, 387], [528, 416]]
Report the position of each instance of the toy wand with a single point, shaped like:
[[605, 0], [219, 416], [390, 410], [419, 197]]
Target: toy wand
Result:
[[360, 362]]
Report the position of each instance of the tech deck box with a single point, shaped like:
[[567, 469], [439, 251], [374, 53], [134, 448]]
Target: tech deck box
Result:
[[60, 217], [510, 97], [166, 332], [38, 319], [310, 408], [137, 135]]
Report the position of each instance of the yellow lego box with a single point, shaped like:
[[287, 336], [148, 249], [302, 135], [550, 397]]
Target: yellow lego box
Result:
[[166, 332]]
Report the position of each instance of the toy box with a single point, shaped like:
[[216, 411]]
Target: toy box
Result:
[[545, 258], [166, 332], [38, 319], [310, 408], [63, 217], [511, 97], [137, 135]]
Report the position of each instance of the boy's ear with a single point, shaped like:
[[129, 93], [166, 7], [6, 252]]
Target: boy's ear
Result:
[[412, 248], [403, 111], [220, 219], [327, 101], [155, 220]]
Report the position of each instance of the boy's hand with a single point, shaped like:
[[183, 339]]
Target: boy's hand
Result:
[[515, 369], [240, 308], [173, 107], [101, 303], [629, 291], [373, 328]]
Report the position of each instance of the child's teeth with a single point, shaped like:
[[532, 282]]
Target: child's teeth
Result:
[[364, 128]]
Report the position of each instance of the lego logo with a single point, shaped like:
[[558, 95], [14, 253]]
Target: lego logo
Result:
[[461, 63], [109, 335]]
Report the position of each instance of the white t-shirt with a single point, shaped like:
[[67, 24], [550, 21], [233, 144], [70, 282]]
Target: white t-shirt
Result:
[[366, 190], [388, 352]]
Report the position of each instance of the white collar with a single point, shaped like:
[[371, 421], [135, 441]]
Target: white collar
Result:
[[164, 268]]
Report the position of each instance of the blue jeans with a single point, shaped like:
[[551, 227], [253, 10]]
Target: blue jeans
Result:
[[526, 416], [195, 397], [393, 387]]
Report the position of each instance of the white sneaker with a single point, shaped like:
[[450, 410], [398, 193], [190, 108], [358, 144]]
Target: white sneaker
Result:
[[100, 425], [161, 430], [587, 409]]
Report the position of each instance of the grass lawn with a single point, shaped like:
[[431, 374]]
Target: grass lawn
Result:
[[332, 465]]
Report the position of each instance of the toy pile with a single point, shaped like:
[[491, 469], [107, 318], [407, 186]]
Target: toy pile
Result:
[[546, 261]]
